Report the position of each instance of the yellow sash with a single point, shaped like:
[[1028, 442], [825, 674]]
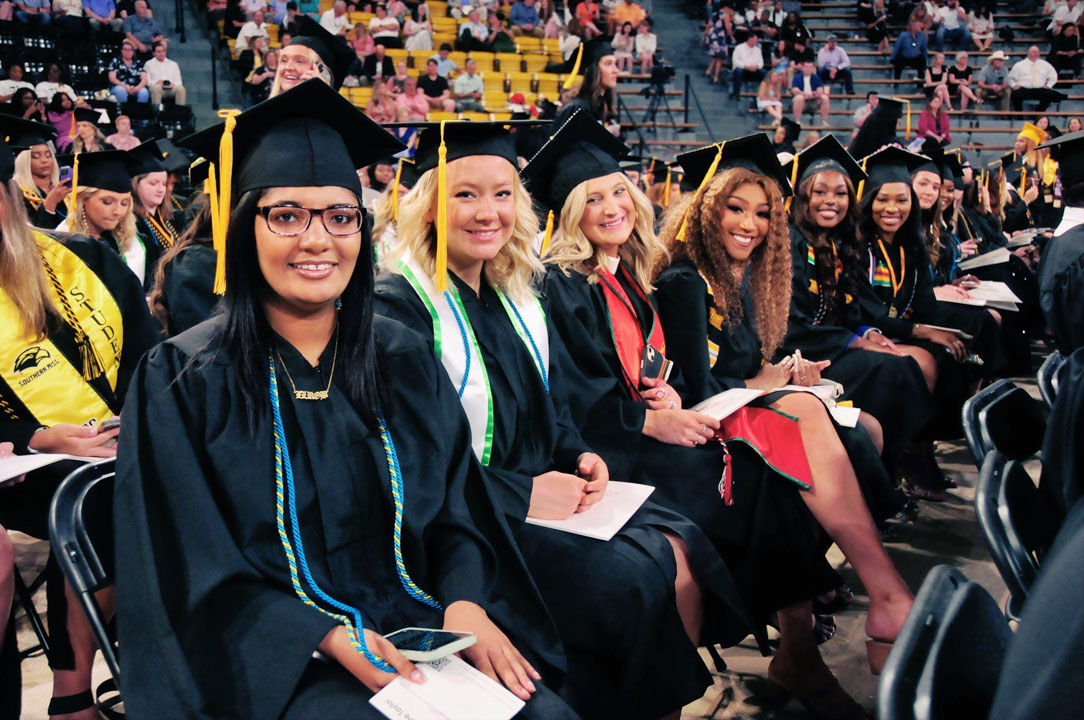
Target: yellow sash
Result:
[[43, 379]]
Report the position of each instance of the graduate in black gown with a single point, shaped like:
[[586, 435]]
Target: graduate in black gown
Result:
[[1061, 270], [153, 211], [825, 319], [296, 477], [747, 503], [37, 174], [660, 573], [183, 294], [74, 325]]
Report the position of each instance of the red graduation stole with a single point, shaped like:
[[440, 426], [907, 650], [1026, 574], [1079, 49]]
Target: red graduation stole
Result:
[[625, 328]]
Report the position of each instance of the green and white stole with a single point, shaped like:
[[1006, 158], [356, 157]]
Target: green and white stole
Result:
[[455, 343]]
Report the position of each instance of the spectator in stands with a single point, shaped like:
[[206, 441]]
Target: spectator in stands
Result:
[[376, 68], [808, 90], [385, 29], [1033, 79], [61, 114], [7, 10], [589, 16], [14, 82], [126, 8], [412, 101], [290, 22], [52, 84], [469, 90], [980, 23], [435, 88], [68, 14], [262, 78], [1065, 52], [627, 11], [910, 51], [718, 34], [1066, 13], [933, 122], [525, 19], [748, 65], [397, 82], [396, 9], [141, 28], [623, 44], [276, 11], [993, 80], [127, 79], [256, 27], [27, 105], [936, 81], [235, 18], [443, 59], [473, 34], [216, 11], [103, 13], [252, 57], [335, 21], [797, 53], [770, 95], [794, 30], [959, 81], [833, 64], [251, 6], [418, 29], [502, 39], [951, 24], [164, 76], [34, 11], [646, 44], [381, 106], [361, 42], [862, 113], [123, 139]]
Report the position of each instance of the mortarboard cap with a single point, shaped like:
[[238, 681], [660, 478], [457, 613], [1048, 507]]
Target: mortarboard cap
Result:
[[21, 134], [588, 54], [951, 169], [197, 172], [579, 151], [792, 129], [147, 158], [90, 115], [173, 158], [1068, 150], [335, 53], [892, 164], [110, 170], [308, 136], [753, 152], [825, 154], [1033, 132]]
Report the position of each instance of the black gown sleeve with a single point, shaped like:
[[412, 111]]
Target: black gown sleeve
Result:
[[564, 378], [1061, 289], [817, 342], [189, 287]]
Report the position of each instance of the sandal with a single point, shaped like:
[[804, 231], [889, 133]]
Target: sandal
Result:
[[829, 702], [842, 597], [68, 704], [824, 629]]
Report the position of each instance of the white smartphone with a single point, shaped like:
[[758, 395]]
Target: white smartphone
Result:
[[426, 644]]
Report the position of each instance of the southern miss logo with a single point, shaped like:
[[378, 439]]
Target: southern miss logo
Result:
[[31, 358]]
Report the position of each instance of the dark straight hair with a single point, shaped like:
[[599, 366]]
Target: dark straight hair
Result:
[[909, 234], [245, 335]]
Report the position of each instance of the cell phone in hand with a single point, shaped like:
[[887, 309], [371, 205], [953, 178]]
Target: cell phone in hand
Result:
[[66, 173], [425, 644]]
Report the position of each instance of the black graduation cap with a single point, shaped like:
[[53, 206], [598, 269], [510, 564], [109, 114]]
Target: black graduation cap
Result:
[[952, 169], [753, 152], [173, 158], [579, 151], [90, 115], [934, 157], [408, 173], [7, 161], [825, 154], [111, 170], [465, 138], [891, 164], [588, 54], [198, 171], [335, 53], [1068, 150], [146, 157], [308, 136], [21, 134], [792, 130]]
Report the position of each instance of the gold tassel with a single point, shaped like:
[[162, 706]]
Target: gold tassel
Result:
[[571, 79], [395, 191], [703, 183], [441, 279], [220, 196], [666, 189], [75, 184], [548, 234], [1023, 180], [793, 180], [862, 183]]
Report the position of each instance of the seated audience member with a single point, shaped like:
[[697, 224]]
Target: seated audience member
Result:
[[234, 18], [646, 44], [13, 82], [262, 78], [589, 18], [863, 112], [623, 44], [808, 91], [980, 23], [993, 80], [626, 11], [289, 24], [61, 114], [418, 29], [1065, 52], [933, 122], [1033, 79], [385, 29], [435, 88], [342, 437], [256, 27], [524, 18], [164, 76], [123, 139], [397, 82], [381, 106], [469, 90], [52, 84], [473, 34], [833, 64], [770, 95], [910, 50], [412, 100], [141, 28], [81, 378], [68, 14], [959, 81], [377, 67], [335, 21], [748, 62], [361, 42], [1066, 13], [951, 24], [443, 59], [252, 57], [34, 11], [127, 76]]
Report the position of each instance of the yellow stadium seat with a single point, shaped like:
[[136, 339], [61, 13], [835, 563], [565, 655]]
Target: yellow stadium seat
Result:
[[360, 17], [484, 60], [273, 33], [520, 82], [493, 81], [437, 116], [396, 55], [444, 24], [498, 116], [419, 57], [495, 100], [440, 38], [474, 116], [552, 45], [548, 84], [345, 92], [510, 62], [526, 44], [556, 57], [536, 62], [437, 10], [459, 57]]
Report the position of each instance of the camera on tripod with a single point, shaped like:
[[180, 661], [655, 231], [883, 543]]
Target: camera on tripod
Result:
[[660, 75]]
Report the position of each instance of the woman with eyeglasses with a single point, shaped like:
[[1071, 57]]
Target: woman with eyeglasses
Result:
[[296, 480]]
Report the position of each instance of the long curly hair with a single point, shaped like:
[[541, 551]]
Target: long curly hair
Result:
[[843, 236], [768, 271]]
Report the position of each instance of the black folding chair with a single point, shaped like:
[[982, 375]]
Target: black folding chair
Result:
[[1005, 418], [1016, 523], [947, 658], [1047, 377], [80, 562]]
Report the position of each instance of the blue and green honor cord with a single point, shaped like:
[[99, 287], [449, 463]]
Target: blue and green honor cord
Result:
[[292, 545]]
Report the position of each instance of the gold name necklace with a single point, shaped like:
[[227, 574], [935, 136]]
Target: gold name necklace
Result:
[[313, 394]]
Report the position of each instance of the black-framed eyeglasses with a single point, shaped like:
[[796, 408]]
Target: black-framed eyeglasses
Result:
[[292, 220]]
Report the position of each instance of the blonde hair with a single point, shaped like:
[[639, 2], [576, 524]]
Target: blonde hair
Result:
[[79, 146], [22, 272], [314, 58], [125, 231], [570, 250], [25, 178], [768, 270], [515, 268]]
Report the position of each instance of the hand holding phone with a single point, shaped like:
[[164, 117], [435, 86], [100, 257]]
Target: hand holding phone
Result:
[[426, 644]]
